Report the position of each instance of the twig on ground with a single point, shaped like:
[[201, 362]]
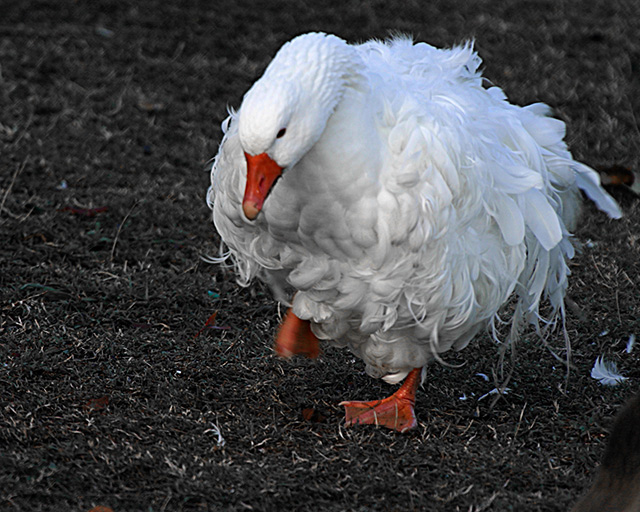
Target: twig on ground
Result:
[[124, 220], [18, 170], [24, 129]]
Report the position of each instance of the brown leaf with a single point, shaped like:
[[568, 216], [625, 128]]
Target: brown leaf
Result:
[[96, 404], [313, 415], [148, 106], [211, 321], [85, 212]]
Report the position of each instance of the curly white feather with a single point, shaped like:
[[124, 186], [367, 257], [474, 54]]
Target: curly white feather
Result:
[[606, 372]]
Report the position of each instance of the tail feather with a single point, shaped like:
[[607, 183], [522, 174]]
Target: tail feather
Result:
[[589, 182]]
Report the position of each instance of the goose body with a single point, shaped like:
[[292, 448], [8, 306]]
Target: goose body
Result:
[[402, 203]]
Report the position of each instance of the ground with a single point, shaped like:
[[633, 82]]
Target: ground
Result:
[[111, 391]]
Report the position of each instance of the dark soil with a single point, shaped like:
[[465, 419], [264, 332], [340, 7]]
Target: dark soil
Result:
[[112, 394]]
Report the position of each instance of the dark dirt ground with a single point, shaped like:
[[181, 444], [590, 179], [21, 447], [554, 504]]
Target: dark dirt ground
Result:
[[110, 395]]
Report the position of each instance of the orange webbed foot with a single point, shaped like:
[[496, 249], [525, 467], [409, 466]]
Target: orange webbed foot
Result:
[[395, 412], [295, 338]]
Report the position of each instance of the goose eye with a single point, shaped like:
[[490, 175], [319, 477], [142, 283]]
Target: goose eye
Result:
[[281, 133]]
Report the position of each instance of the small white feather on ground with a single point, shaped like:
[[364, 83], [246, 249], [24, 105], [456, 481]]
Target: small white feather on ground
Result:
[[631, 343], [606, 372]]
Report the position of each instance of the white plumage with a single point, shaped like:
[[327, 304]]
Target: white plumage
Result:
[[413, 202]]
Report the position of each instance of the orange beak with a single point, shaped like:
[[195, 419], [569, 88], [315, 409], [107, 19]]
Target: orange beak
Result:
[[262, 173]]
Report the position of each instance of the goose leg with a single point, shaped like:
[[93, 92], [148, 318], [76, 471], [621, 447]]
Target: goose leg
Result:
[[295, 337], [395, 412]]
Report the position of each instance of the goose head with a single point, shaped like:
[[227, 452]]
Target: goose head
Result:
[[285, 112]]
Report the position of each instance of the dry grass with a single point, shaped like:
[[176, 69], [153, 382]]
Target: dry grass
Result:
[[108, 395]]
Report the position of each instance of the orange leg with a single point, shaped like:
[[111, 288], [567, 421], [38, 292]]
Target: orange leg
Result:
[[395, 412], [295, 337]]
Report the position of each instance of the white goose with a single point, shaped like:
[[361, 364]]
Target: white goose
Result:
[[395, 204]]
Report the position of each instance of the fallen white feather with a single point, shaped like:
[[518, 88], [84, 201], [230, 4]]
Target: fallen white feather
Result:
[[495, 391], [216, 430], [606, 372], [630, 343]]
